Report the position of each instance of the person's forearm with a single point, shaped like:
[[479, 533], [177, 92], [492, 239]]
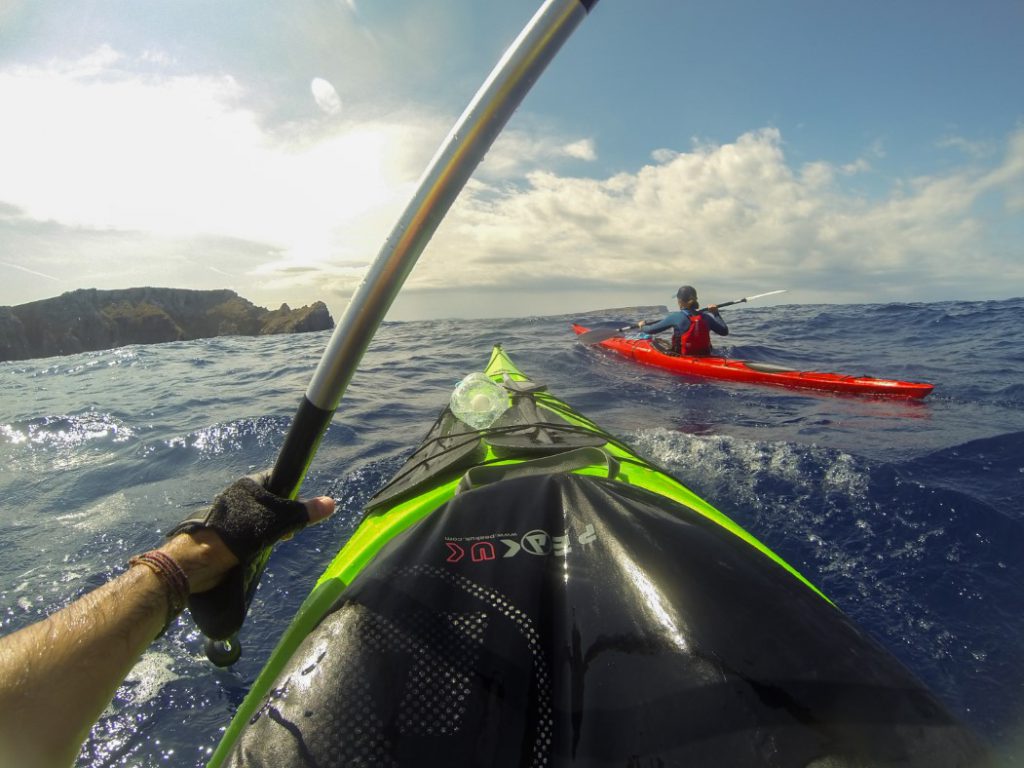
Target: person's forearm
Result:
[[716, 323], [57, 676], [657, 327]]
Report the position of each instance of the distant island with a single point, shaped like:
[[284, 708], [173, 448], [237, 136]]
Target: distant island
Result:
[[91, 319]]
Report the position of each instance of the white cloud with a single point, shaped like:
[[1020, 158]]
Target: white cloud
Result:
[[325, 96], [581, 150], [974, 149], [860, 165], [166, 161], [731, 214], [88, 146], [518, 151]]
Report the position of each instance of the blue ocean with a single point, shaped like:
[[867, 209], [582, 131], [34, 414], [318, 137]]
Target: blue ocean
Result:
[[909, 515]]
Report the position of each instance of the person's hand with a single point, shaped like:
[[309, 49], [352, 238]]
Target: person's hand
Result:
[[640, 324], [713, 309], [206, 559]]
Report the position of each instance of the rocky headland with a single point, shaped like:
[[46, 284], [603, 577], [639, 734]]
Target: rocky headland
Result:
[[90, 319]]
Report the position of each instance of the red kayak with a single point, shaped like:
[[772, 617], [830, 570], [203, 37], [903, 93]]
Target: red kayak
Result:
[[644, 352]]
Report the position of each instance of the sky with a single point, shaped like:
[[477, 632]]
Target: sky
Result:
[[845, 152]]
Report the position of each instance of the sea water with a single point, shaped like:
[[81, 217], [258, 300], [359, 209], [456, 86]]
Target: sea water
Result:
[[909, 515]]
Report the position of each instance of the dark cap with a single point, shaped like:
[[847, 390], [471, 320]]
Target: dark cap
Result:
[[686, 293]]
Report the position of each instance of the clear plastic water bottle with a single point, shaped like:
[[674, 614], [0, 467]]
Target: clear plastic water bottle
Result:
[[478, 401]]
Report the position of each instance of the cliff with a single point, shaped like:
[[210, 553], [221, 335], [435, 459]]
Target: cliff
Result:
[[90, 319]]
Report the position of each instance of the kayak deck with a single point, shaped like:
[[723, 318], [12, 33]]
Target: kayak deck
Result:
[[537, 593], [646, 353]]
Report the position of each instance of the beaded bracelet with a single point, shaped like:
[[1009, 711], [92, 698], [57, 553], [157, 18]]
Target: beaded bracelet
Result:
[[173, 577]]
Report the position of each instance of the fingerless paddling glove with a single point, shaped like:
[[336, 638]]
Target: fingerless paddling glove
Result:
[[249, 520]]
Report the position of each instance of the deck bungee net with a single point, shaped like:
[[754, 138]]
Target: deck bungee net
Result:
[[552, 598]]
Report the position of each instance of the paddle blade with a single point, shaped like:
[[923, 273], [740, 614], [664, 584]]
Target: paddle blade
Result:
[[762, 295], [745, 299], [598, 335]]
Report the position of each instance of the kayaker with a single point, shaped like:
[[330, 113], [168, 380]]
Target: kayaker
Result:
[[691, 326], [58, 675]]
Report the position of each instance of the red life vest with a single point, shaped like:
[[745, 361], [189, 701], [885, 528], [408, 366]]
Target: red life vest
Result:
[[696, 340]]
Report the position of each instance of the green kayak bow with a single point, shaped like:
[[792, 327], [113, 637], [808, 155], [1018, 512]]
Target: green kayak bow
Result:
[[536, 592]]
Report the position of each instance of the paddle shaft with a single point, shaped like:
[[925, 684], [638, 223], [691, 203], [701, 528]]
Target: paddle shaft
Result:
[[730, 303], [716, 306]]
